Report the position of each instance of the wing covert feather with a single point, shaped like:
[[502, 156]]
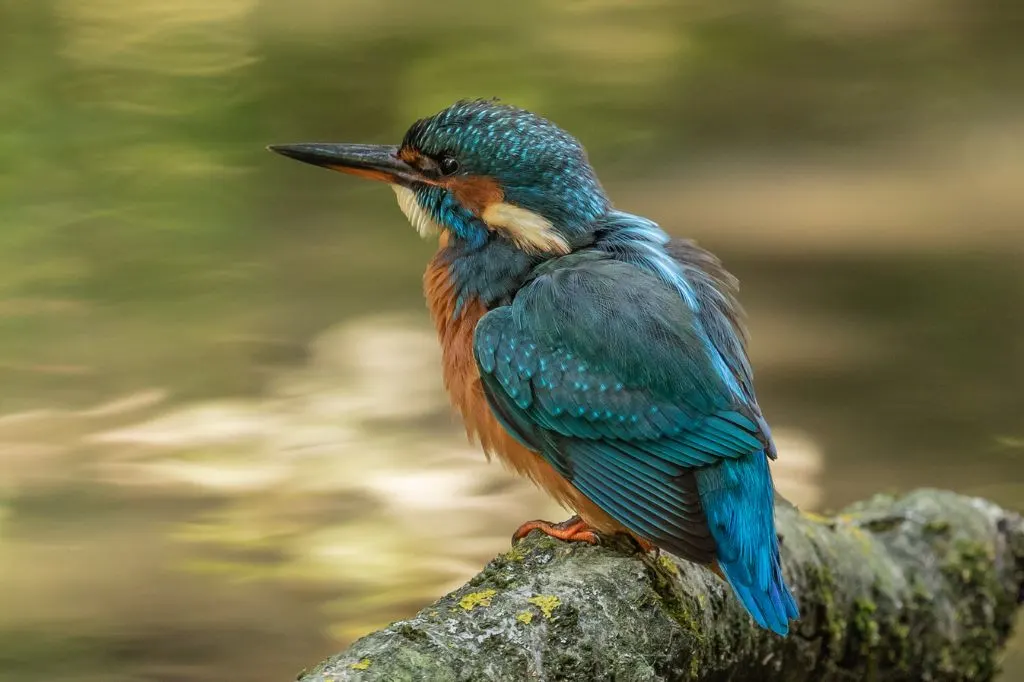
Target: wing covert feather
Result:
[[599, 369]]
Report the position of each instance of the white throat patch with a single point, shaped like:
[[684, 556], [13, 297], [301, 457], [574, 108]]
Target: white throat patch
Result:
[[419, 219]]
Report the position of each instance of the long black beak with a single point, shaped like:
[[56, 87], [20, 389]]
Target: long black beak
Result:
[[373, 161]]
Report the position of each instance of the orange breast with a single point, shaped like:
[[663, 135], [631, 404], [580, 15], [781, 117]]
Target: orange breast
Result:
[[462, 381]]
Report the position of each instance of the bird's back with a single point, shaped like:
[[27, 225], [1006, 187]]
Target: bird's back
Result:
[[623, 366]]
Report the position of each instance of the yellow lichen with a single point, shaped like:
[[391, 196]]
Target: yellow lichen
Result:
[[668, 565], [816, 518], [475, 599], [524, 617], [546, 603], [861, 537], [362, 665]]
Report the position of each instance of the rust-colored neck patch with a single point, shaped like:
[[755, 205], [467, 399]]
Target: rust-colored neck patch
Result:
[[475, 192]]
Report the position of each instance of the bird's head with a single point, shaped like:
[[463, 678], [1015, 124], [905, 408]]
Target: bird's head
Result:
[[480, 170]]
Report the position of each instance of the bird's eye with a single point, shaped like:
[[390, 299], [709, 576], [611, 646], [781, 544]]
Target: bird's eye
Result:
[[448, 165]]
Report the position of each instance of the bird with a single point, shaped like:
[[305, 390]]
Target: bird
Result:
[[583, 346]]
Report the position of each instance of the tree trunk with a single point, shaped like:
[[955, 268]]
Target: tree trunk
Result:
[[924, 587]]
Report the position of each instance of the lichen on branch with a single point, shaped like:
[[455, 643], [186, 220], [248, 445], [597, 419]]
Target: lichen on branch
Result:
[[924, 587]]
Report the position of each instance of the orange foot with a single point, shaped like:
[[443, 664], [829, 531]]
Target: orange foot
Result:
[[574, 529]]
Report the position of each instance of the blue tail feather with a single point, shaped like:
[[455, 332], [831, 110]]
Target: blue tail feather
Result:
[[738, 502], [772, 606]]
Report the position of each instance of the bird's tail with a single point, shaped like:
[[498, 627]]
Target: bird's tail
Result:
[[737, 496]]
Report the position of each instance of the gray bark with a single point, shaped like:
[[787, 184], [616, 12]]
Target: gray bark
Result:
[[924, 587]]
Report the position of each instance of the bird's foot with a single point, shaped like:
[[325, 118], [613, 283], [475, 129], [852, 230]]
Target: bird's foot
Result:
[[574, 529]]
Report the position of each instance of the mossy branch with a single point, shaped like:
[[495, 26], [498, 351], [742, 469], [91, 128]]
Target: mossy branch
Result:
[[919, 588]]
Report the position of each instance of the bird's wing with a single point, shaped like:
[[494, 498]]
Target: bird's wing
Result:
[[604, 371], [721, 317]]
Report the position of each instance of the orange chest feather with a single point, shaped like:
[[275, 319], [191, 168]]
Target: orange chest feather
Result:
[[462, 381], [461, 375]]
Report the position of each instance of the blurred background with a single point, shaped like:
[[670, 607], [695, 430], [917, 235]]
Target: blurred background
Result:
[[224, 446]]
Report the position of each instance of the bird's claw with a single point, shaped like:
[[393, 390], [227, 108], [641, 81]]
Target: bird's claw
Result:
[[574, 529]]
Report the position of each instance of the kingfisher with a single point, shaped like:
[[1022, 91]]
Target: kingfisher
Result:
[[583, 346]]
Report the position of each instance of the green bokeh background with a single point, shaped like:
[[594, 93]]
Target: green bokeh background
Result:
[[858, 165]]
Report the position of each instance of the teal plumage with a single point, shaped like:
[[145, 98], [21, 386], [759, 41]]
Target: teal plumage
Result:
[[611, 357], [599, 365]]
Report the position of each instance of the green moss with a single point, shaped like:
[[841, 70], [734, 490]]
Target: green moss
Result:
[[680, 607], [412, 633], [866, 623], [922, 595], [475, 599], [524, 617], [687, 619], [973, 561], [547, 603], [665, 580], [937, 527], [885, 523], [363, 664], [822, 582], [514, 554], [971, 564], [946, 664], [898, 646]]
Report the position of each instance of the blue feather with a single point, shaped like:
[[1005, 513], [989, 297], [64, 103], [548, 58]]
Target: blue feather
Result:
[[738, 502], [635, 412], [622, 363]]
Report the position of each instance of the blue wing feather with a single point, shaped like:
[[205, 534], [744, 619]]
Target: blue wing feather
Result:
[[602, 369]]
